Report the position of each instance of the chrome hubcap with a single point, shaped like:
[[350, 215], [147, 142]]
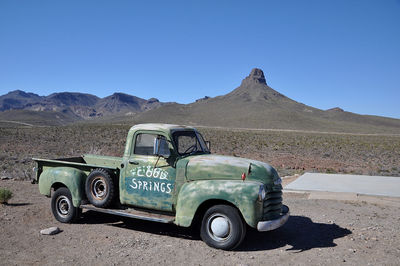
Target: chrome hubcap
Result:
[[63, 205], [219, 227]]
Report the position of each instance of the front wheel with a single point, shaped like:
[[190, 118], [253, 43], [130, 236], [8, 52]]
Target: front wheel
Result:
[[62, 207], [222, 227]]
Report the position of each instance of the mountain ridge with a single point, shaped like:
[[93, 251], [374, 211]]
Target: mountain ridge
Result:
[[82, 105], [256, 105], [253, 104]]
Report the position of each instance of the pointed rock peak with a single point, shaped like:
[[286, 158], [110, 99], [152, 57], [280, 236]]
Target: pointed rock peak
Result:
[[256, 76]]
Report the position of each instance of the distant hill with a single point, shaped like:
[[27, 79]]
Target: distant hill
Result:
[[124, 103], [75, 106], [17, 100], [256, 105]]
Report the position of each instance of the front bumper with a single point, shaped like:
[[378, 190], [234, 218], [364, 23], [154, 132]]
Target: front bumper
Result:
[[273, 224]]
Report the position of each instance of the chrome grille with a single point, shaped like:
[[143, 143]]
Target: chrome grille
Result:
[[272, 205]]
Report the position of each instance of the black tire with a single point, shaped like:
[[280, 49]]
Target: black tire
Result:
[[99, 188], [222, 227], [62, 207]]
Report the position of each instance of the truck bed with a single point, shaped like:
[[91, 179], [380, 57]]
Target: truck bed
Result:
[[86, 162]]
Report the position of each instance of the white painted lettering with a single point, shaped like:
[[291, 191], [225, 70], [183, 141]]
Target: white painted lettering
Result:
[[149, 172], [156, 172], [139, 172], [156, 186], [134, 186], [164, 175]]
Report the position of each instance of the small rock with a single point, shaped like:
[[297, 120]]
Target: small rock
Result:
[[50, 231], [5, 177]]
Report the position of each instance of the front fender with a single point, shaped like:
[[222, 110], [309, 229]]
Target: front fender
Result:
[[243, 195], [70, 177]]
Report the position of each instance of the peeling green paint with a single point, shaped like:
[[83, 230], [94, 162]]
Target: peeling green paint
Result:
[[72, 178], [148, 186], [177, 184], [113, 162], [241, 194]]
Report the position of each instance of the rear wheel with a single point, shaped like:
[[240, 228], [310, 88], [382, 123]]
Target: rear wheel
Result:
[[99, 188], [222, 227], [62, 207]]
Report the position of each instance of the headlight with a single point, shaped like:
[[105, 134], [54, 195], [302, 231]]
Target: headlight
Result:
[[261, 193], [277, 181]]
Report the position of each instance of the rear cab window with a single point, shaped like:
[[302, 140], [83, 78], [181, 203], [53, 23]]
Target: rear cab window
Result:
[[144, 144]]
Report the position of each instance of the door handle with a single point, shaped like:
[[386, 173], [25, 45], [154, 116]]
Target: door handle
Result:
[[133, 162]]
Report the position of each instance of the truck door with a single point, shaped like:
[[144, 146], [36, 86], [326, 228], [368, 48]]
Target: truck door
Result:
[[148, 180]]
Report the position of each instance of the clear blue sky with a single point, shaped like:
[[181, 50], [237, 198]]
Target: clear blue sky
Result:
[[325, 54]]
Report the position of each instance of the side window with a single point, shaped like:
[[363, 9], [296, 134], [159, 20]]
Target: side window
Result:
[[144, 144]]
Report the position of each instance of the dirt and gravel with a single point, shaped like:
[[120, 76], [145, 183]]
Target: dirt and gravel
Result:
[[290, 152], [319, 232]]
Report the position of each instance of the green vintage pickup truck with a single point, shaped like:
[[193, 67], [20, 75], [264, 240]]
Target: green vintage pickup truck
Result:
[[168, 174]]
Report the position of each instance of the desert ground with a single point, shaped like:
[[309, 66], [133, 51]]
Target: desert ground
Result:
[[290, 152], [319, 231]]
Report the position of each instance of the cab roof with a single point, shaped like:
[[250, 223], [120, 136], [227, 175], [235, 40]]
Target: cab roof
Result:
[[160, 126]]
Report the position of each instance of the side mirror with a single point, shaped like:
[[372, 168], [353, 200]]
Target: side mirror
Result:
[[161, 148], [208, 144]]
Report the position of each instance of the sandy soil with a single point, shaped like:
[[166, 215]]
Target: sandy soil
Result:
[[319, 232]]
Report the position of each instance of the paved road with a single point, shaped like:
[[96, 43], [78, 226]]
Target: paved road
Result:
[[360, 184]]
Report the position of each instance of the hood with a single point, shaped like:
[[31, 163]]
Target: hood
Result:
[[205, 167]]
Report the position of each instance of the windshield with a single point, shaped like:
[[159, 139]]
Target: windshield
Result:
[[189, 142]]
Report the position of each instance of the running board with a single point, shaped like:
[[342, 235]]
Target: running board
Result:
[[133, 213]]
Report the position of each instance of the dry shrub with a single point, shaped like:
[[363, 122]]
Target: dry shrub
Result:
[[5, 195]]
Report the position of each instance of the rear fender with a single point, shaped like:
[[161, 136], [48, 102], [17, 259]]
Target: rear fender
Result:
[[70, 177], [243, 195]]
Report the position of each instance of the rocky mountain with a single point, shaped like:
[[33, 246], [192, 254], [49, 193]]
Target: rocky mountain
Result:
[[120, 102], [253, 104], [256, 105], [77, 105], [17, 100]]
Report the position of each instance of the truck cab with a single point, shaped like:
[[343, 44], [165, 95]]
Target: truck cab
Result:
[[168, 174], [153, 153]]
